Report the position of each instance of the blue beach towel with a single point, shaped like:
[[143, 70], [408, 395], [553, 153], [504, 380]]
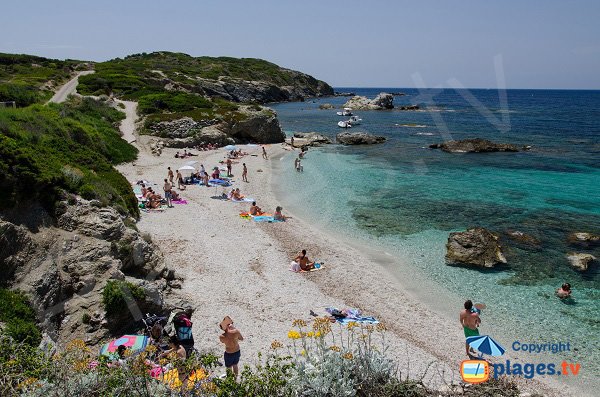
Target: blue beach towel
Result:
[[262, 218]]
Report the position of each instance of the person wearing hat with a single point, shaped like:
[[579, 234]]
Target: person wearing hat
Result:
[[230, 338]]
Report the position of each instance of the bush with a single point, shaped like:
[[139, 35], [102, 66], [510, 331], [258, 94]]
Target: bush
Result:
[[116, 294], [18, 315]]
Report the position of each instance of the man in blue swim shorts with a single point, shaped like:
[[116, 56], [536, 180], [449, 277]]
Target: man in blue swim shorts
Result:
[[230, 338]]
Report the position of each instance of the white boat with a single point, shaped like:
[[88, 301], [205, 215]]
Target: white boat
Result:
[[354, 120], [346, 112], [344, 124]]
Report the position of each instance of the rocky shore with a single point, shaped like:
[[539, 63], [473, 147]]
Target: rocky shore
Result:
[[476, 145]]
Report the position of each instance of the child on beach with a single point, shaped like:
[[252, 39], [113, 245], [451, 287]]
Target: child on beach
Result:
[[230, 338]]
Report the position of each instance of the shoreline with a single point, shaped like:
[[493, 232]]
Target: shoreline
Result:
[[240, 268]]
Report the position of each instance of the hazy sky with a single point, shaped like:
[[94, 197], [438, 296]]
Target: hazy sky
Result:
[[542, 44]]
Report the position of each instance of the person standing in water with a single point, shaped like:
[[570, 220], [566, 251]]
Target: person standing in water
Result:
[[469, 319], [230, 338], [244, 173]]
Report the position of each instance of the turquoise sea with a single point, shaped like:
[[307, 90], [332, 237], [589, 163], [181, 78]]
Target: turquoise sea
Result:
[[405, 199]]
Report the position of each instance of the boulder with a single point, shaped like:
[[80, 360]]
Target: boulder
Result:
[[358, 138], [255, 124], [474, 146], [476, 247], [326, 106], [408, 107], [384, 101], [310, 139], [579, 261], [87, 219], [381, 101], [584, 239]]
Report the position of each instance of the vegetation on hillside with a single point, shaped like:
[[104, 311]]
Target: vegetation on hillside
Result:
[[68, 147], [141, 77], [18, 318], [24, 78]]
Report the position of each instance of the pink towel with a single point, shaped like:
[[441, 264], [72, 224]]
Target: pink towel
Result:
[[179, 201]]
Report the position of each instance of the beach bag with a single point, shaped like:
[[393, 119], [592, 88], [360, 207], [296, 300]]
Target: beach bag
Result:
[[295, 267], [183, 328]]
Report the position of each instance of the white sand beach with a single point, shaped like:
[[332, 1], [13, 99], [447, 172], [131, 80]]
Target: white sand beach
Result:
[[237, 267]]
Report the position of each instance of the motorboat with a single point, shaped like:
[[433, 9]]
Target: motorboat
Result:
[[354, 120], [344, 124], [346, 112]]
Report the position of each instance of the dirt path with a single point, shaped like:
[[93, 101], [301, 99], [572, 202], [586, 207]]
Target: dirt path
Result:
[[69, 88], [127, 126]]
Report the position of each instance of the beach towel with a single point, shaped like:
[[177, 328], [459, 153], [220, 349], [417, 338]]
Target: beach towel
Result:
[[265, 218], [218, 182], [294, 267], [244, 200], [346, 316], [179, 201]]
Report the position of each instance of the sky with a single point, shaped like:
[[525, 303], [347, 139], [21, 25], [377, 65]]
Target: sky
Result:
[[470, 43]]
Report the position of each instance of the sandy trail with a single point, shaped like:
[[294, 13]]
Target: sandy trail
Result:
[[127, 126], [68, 88]]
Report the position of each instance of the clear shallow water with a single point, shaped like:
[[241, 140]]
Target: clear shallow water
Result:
[[407, 198]]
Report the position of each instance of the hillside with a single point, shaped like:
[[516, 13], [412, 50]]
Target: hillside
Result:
[[28, 79]]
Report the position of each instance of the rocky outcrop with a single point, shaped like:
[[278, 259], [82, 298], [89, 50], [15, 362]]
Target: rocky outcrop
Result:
[[381, 101], [408, 107], [326, 106], [358, 138], [238, 90], [344, 93], [580, 262], [65, 267], [248, 124], [584, 239], [474, 146], [255, 124], [475, 247], [310, 139]]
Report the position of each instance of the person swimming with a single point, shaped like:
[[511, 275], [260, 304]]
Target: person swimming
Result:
[[564, 291]]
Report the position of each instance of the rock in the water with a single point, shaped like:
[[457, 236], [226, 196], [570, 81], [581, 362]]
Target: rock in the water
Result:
[[476, 246], [358, 138], [408, 107], [580, 262], [523, 238], [474, 146], [326, 106], [584, 239], [310, 139], [381, 101]]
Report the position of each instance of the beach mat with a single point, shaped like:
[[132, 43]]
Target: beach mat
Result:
[[352, 316], [265, 218], [316, 269], [179, 201], [244, 200]]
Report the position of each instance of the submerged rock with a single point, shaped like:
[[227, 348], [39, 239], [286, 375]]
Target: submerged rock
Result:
[[523, 238], [310, 139], [476, 145], [477, 246], [584, 239], [580, 262], [359, 138], [326, 106], [381, 101]]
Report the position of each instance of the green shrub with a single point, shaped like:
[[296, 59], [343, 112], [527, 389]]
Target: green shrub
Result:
[[22, 94], [18, 315], [70, 147], [116, 293]]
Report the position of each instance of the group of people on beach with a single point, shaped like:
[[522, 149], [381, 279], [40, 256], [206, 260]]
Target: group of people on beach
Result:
[[184, 155]]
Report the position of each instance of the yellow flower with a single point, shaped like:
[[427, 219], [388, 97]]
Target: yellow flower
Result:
[[276, 345], [348, 356], [381, 327], [26, 383], [299, 323], [335, 348], [80, 365], [303, 352], [318, 334], [310, 334], [370, 328], [294, 334], [352, 324], [151, 348]]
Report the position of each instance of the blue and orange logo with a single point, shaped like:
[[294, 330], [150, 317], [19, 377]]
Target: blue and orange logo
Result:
[[475, 371]]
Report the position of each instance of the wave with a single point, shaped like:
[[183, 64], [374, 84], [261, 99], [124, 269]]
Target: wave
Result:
[[411, 125]]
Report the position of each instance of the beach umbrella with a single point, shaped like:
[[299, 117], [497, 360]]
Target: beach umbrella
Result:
[[187, 169], [486, 345], [230, 147], [133, 342]]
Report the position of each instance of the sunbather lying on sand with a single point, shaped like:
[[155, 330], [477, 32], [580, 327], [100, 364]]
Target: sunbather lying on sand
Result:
[[301, 262], [255, 210]]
